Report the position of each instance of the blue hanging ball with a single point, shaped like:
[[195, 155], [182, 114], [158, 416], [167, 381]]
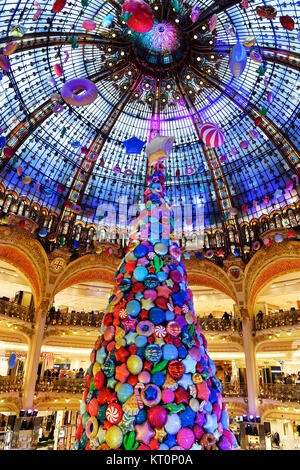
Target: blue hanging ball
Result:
[[140, 273], [125, 285], [43, 232], [76, 244], [140, 251], [170, 352]]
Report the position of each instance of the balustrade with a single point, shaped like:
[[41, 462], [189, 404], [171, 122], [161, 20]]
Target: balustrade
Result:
[[234, 390], [287, 318], [10, 384], [12, 309], [280, 392], [61, 385], [74, 319], [219, 324]]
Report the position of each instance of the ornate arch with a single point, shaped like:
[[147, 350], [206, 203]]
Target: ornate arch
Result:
[[205, 273], [18, 248], [92, 267], [268, 264]]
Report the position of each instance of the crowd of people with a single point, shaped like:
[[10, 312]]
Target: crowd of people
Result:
[[57, 316], [63, 374], [289, 379]]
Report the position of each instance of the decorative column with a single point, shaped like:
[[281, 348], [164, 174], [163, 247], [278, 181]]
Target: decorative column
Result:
[[250, 359], [33, 356]]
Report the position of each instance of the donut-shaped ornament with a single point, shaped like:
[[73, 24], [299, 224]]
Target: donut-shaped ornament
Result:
[[266, 11], [189, 171], [117, 169], [256, 57], [57, 109], [91, 427], [145, 328], [256, 245], [68, 92], [233, 211], [250, 41], [209, 254], [211, 135], [151, 395]]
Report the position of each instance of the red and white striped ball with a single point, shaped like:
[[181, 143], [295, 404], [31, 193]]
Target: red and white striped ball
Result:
[[114, 413], [160, 331], [212, 135]]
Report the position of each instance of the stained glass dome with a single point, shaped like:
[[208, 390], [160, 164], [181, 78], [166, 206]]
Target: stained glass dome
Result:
[[167, 81]]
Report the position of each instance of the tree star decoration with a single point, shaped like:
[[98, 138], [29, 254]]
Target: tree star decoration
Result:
[[144, 432]]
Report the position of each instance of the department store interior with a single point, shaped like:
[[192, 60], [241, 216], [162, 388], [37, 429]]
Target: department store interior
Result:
[[74, 176]]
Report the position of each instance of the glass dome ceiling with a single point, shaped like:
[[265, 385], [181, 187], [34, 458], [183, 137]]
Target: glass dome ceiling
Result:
[[165, 82]]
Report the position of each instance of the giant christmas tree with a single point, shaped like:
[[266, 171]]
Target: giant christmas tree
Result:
[[151, 384]]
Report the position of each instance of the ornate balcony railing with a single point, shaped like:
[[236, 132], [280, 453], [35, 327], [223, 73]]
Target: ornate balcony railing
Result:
[[10, 384], [234, 390], [12, 309], [75, 319], [287, 318], [61, 385], [218, 324], [280, 392]]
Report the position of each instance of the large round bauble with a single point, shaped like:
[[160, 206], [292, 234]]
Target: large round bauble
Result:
[[124, 392], [157, 416], [134, 364], [173, 328], [237, 59], [142, 19], [114, 437], [278, 238], [151, 281], [140, 251], [211, 135], [167, 396], [173, 424], [153, 353], [140, 273], [160, 248], [125, 285], [157, 315], [185, 438], [133, 308], [176, 369], [170, 352]]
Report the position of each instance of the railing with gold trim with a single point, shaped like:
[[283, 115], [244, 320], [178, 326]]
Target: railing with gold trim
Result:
[[219, 324], [61, 385], [10, 384], [286, 318], [12, 309], [74, 319], [280, 392]]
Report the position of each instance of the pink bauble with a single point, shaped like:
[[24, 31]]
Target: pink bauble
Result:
[[157, 416], [142, 18], [58, 70], [89, 25], [150, 294], [211, 135], [195, 354], [185, 438], [144, 377], [167, 396]]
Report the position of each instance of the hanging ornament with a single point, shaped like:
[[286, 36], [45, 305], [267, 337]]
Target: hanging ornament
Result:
[[237, 60], [195, 14], [138, 15], [287, 22], [211, 135]]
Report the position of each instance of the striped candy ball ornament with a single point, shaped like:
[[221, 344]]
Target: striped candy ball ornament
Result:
[[160, 331], [114, 413], [211, 135]]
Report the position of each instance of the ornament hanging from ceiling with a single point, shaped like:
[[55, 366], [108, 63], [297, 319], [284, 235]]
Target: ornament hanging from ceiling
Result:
[[139, 14], [211, 134], [237, 60], [134, 145]]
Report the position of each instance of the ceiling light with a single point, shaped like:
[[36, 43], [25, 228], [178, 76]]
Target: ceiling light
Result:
[[195, 36], [198, 58], [156, 7], [203, 27], [176, 20], [188, 77], [212, 56], [122, 53]]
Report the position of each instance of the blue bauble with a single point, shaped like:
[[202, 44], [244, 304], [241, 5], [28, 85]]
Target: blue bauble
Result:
[[170, 352], [133, 308], [140, 251], [158, 378], [182, 352], [140, 341], [161, 248], [141, 417], [124, 392], [150, 281], [12, 361], [170, 315], [140, 273], [156, 315], [162, 276], [208, 407], [225, 420], [125, 285], [153, 353]]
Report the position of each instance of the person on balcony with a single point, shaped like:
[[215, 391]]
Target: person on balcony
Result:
[[210, 316], [226, 317], [259, 318]]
